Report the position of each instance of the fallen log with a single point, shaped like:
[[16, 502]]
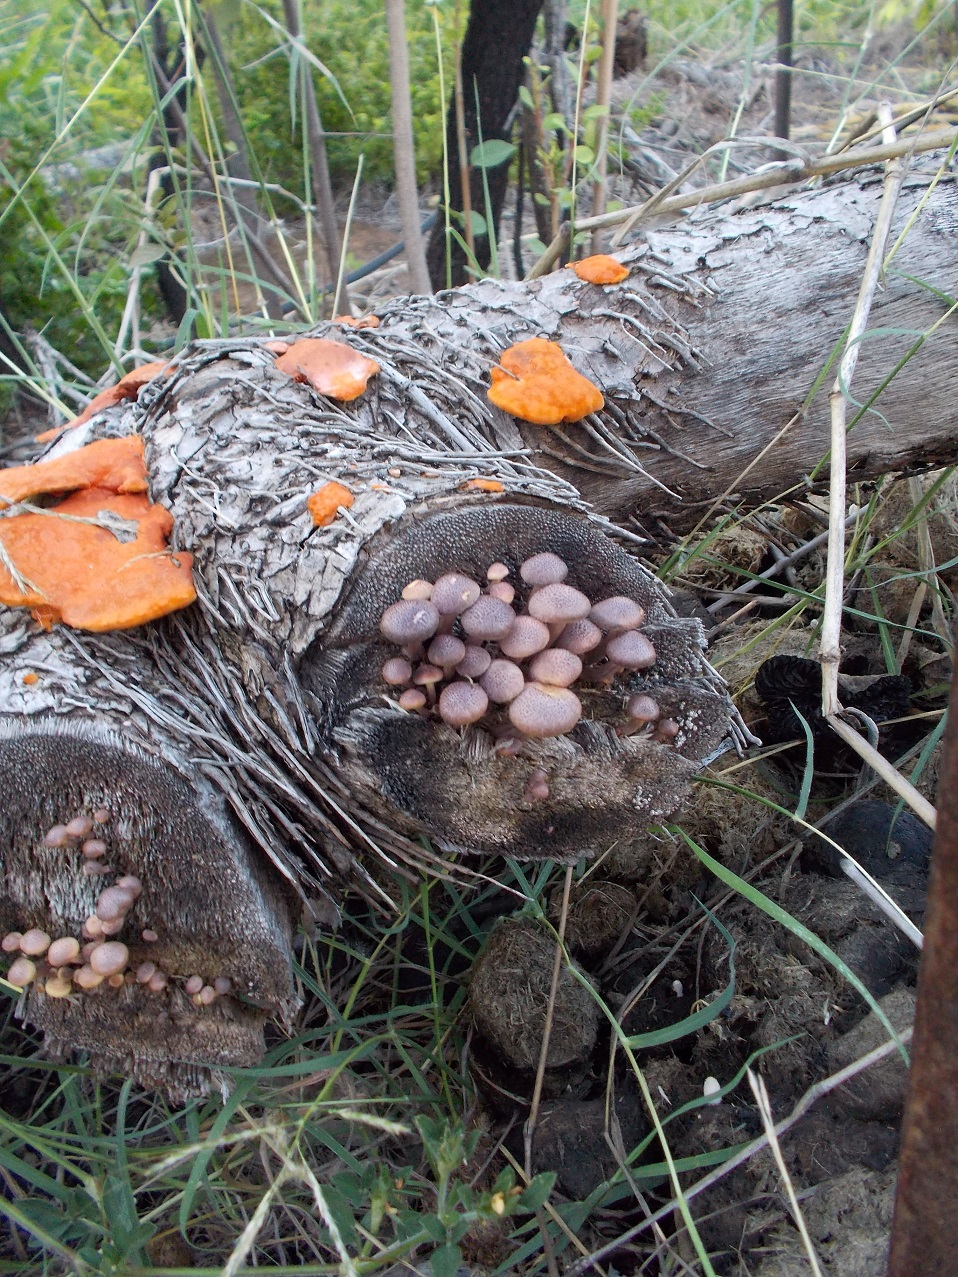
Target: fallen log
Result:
[[248, 755]]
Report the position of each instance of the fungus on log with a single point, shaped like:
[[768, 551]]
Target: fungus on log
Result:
[[287, 756]]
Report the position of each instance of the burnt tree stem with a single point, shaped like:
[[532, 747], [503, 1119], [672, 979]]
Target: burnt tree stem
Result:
[[497, 38]]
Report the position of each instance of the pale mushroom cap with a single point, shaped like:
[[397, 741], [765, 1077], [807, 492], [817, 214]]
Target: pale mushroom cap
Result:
[[502, 590], [79, 826], [559, 603], [93, 848], [544, 569], [412, 698], [502, 681], [21, 972], [580, 636], [667, 729], [58, 987], [109, 958], [642, 708], [526, 637], [453, 592], [34, 942], [488, 619], [86, 978], [397, 671], [496, 572], [63, 951], [545, 711], [113, 903], [11, 942], [56, 836], [427, 676], [617, 613], [418, 589], [475, 662], [194, 984], [462, 703], [632, 650], [446, 650], [556, 667], [409, 621]]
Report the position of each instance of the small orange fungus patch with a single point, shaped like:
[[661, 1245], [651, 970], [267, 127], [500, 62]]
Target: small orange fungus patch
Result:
[[116, 464], [364, 321], [535, 382], [128, 387], [80, 573], [600, 269], [330, 367], [83, 575], [31, 677], [482, 485], [326, 502]]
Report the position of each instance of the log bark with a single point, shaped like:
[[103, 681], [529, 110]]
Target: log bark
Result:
[[247, 750], [709, 353]]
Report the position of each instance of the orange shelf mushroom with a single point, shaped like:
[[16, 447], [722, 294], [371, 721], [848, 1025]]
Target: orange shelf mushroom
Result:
[[364, 321], [332, 368], [89, 576], [535, 382], [600, 269], [116, 464], [128, 387], [326, 502]]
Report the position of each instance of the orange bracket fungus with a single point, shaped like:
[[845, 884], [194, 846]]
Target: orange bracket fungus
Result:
[[600, 269], [535, 382], [115, 464], [327, 501], [99, 559], [330, 367], [128, 387], [364, 321]]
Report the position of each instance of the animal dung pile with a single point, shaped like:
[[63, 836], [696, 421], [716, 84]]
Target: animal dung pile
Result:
[[510, 991], [512, 656], [508, 679]]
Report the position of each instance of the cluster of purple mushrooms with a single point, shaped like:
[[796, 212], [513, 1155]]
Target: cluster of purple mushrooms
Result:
[[67, 965], [508, 656]]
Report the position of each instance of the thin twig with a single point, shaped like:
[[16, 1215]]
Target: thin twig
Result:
[[765, 1112]]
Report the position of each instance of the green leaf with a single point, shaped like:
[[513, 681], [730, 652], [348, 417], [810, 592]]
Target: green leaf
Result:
[[525, 97], [537, 1192], [594, 112], [146, 254], [554, 121], [491, 153], [445, 1261], [584, 154], [477, 222], [184, 333]]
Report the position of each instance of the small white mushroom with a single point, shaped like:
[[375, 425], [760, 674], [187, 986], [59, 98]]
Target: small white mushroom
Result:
[[109, 958], [21, 972], [34, 942], [63, 951]]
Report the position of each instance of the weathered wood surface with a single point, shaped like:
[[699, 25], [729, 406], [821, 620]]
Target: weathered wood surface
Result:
[[708, 353], [262, 704]]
